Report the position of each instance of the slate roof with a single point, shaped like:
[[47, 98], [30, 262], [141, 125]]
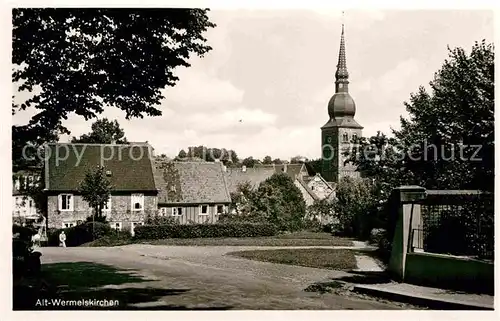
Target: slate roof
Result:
[[308, 189], [345, 122], [190, 182], [130, 165], [291, 170], [254, 175]]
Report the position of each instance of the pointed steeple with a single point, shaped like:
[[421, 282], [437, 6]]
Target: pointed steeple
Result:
[[341, 75], [341, 104]]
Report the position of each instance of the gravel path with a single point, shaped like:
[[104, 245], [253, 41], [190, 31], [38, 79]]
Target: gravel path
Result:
[[217, 280]]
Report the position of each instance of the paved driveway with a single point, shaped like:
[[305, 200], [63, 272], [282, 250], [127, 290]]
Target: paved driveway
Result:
[[214, 279]]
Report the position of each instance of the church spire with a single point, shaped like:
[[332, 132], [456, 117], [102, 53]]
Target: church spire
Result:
[[341, 75]]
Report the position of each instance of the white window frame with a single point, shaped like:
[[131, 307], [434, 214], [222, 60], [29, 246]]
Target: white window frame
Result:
[[17, 184], [133, 225], [200, 211], [345, 137], [216, 209], [113, 226], [107, 207], [140, 197], [70, 224], [71, 203], [31, 182], [163, 211], [175, 211]]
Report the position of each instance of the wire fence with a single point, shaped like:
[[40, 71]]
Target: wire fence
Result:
[[456, 223]]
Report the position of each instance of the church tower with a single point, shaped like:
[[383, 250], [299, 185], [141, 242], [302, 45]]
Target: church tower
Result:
[[341, 129]]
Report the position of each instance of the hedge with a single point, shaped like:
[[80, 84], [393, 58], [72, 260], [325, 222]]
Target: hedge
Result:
[[153, 232], [80, 234]]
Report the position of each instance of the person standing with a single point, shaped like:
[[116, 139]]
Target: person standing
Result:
[[62, 239]]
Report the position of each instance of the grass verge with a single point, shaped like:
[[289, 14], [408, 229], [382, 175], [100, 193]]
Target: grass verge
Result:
[[330, 259]]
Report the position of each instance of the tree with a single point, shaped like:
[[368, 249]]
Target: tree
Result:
[[81, 61], [249, 162], [314, 166], [277, 161], [281, 202], [182, 154], [242, 200], [267, 160], [457, 115], [95, 190], [103, 131], [448, 140], [355, 206], [298, 160]]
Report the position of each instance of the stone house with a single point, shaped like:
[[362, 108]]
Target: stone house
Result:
[[23, 206], [129, 169], [191, 192]]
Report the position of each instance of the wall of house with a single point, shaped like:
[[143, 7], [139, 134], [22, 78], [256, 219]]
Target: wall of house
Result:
[[191, 214], [120, 211], [23, 206]]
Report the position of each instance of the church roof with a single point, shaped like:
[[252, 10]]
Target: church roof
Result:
[[344, 122]]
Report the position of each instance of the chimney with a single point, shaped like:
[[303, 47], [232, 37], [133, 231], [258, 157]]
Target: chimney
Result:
[[244, 168]]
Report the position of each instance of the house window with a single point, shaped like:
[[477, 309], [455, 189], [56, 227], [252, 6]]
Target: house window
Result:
[[354, 137], [117, 226], [177, 211], [107, 205], [133, 226], [163, 211], [137, 202], [345, 137], [30, 181], [65, 202], [203, 209], [68, 224], [17, 183], [219, 209]]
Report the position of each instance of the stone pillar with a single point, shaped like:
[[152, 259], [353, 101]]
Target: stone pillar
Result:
[[407, 217]]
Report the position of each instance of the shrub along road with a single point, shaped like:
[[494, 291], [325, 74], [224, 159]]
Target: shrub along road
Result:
[[291, 239], [189, 277]]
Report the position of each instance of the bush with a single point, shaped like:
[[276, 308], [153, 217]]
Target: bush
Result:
[[161, 220], [80, 234], [377, 235], [312, 225], [205, 230], [24, 260]]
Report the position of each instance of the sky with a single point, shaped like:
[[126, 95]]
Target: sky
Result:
[[275, 70]]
